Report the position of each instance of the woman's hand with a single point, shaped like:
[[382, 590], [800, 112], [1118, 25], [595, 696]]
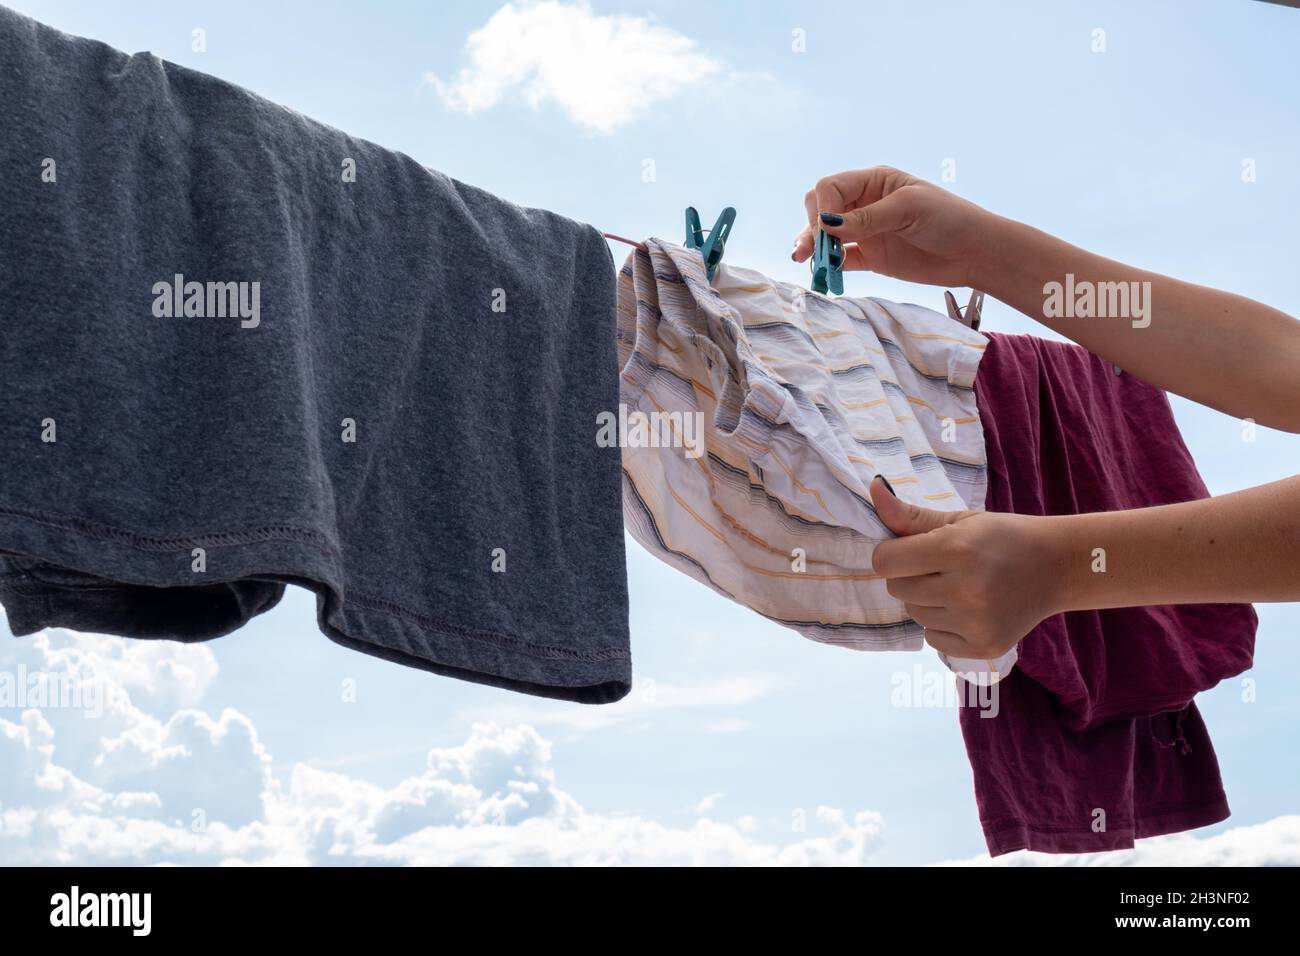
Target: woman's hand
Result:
[[976, 582], [898, 225]]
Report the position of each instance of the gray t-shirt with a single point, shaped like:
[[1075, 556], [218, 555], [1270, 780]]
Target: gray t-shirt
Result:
[[240, 349]]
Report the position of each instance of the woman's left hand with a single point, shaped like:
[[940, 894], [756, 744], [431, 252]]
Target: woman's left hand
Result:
[[977, 582]]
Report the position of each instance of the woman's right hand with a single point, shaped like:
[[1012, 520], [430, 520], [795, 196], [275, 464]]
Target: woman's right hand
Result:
[[900, 226]]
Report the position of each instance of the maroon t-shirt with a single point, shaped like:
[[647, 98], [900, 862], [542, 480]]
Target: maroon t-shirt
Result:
[[1096, 740]]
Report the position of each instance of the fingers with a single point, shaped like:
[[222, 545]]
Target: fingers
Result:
[[856, 187], [949, 642], [810, 208], [914, 551], [954, 645], [927, 590], [892, 214], [907, 519], [862, 257], [842, 193], [856, 257], [803, 245], [939, 619], [909, 557]]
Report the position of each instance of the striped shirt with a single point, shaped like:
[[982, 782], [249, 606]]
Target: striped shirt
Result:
[[786, 403]]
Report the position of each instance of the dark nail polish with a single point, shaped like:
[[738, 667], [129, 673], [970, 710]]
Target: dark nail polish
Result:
[[888, 486], [832, 219]]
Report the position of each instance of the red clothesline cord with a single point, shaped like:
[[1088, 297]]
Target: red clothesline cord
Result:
[[630, 242]]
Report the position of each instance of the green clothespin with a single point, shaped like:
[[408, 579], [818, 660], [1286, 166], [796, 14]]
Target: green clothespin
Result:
[[828, 264], [712, 247]]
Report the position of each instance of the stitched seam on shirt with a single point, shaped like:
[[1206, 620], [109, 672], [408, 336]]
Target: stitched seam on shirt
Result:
[[33, 585], [1161, 811], [254, 535], [21, 582], [376, 603], [1114, 705], [94, 529], [1168, 809], [1028, 828]]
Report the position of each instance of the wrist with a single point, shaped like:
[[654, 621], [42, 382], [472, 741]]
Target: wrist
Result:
[[1058, 561], [995, 255]]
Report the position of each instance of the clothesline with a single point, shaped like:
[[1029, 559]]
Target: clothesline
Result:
[[630, 242], [970, 317]]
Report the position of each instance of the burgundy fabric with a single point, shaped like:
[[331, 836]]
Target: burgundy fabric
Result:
[[1098, 714]]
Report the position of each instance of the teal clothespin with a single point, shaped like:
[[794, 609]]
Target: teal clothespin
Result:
[[828, 264], [712, 247]]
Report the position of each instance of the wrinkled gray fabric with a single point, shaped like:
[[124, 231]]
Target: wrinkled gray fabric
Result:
[[474, 429]]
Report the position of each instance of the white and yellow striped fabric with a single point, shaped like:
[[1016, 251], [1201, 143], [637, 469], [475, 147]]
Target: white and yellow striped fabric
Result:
[[800, 400]]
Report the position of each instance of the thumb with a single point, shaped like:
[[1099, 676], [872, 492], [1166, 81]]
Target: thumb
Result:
[[890, 214], [906, 519]]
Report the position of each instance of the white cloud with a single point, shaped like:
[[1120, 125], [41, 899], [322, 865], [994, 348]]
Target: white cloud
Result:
[[706, 804], [602, 71], [143, 783], [123, 787], [1275, 842]]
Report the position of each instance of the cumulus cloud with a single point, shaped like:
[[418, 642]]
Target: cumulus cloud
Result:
[[1273, 843], [707, 803], [120, 751], [602, 71], [152, 778]]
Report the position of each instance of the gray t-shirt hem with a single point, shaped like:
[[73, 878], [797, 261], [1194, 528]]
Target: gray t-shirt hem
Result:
[[148, 586]]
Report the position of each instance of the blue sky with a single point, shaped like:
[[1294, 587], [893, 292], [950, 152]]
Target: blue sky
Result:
[[736, 726]]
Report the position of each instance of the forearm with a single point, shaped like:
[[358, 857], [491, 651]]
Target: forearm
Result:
[[1239, 547], [1222, 350]]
